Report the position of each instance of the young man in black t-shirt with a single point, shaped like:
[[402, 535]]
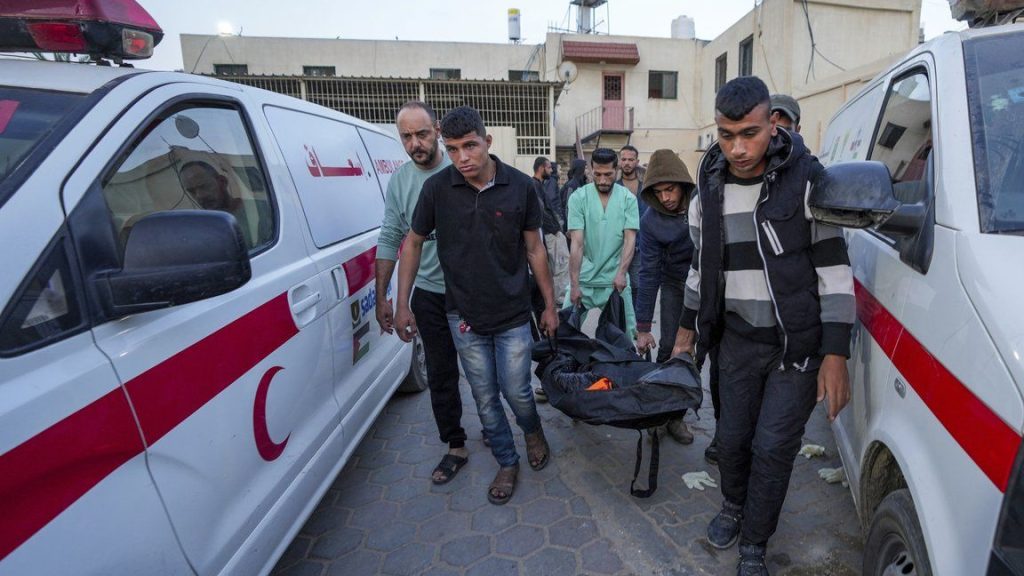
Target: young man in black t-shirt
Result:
[[487, 218]]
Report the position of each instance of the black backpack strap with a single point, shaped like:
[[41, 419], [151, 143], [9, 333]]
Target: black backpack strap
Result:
[[652, 473]]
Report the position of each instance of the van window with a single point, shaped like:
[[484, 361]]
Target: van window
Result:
[[333, 174], [995, 96], [193, 158], [26, 117], [903, 140], [45, 308]]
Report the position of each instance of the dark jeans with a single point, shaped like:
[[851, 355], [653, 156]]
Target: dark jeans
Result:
[[442, 365], [764, 411], [714, 374], [671, 313], [498, 365]]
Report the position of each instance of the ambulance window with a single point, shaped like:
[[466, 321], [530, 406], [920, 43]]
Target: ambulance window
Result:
[[335, 178], [995, 96], [903, 140], [45, 308], [26, 118], [194, 157]]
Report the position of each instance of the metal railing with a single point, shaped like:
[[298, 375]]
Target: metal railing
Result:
[[606, 118], [525, 106]]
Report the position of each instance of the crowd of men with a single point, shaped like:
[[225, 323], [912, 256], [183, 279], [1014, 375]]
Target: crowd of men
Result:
[[748, 283]]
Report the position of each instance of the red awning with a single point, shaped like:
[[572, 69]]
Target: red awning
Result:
[[608, 52]]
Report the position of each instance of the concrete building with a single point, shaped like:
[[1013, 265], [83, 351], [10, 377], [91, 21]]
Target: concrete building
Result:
[[577, 91]]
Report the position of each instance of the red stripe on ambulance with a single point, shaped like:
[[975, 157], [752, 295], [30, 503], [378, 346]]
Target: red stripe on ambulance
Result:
[[47, 473], [984, 436], [360, 271]]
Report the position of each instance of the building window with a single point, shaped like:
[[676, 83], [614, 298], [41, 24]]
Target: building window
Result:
[[445, 74], [720, 71], [747, 56], [318, 71], [524, 75], [662, 84], [231, 69]]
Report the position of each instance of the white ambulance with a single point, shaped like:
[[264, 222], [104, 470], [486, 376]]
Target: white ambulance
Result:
[[188, 349], [931, 440]]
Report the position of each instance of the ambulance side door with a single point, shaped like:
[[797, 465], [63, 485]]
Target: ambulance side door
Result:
[[232, 392], [77, 496]]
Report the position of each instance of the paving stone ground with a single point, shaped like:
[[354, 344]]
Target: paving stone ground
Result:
[[382, 515]]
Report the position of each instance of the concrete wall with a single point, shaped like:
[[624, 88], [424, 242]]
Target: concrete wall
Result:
[[356, 58], [861, 36], [658, 123]]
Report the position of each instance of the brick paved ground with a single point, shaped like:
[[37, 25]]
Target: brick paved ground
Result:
[[383, 516]]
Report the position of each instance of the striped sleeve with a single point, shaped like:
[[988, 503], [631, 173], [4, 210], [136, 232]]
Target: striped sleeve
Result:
[[835, 287], [691, 293]]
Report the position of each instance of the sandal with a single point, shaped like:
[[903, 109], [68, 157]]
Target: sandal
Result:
[[448, 467], [504, 485], [537, 450]]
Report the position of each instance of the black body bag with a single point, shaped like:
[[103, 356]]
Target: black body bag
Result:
[[575, 369]]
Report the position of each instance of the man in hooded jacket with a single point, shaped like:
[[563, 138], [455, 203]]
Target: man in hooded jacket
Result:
[[665, 257]]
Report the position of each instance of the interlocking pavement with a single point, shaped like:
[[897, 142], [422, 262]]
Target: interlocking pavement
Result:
[[382, 515]]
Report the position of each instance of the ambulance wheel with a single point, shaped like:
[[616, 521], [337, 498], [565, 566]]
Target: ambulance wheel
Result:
[[416, 380], [895, 544]]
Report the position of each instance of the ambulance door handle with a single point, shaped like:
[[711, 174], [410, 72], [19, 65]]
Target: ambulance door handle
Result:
[[340, 283], [303, 300]]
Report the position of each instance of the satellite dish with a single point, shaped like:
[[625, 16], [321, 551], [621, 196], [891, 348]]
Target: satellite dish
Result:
[[567, 71]]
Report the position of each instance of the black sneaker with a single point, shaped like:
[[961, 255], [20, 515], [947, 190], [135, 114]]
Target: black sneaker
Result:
[[724, 529], [751, 561], [711, 452]]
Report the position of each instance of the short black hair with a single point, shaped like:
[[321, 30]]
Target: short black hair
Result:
[[461, 121], [631, 148], [205, 166], [741, 95], [413, 104], [538, 163], [604, 156]]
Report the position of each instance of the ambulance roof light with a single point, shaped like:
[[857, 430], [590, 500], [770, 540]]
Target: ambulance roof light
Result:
[[116, 29]]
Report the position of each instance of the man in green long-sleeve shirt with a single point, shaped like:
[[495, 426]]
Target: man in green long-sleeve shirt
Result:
[[419, 130]]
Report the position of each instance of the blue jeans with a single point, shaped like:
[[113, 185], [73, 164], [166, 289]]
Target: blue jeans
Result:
[[499, 365]]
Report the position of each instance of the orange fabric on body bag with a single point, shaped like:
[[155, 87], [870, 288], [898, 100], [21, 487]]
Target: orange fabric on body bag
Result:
[[602, 384]]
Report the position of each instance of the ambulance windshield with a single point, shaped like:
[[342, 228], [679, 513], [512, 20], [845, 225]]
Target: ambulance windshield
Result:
[[995, 93], [26, 117]]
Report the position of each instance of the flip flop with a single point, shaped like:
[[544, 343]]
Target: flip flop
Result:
[[537, 450], [449, 466], [504, 482]]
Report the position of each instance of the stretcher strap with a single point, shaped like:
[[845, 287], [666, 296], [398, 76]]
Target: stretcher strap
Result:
[[652, 473]]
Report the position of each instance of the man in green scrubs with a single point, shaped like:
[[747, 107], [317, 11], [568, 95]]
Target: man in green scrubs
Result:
[[603, 220]]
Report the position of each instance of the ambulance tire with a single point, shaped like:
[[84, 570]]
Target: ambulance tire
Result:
[[895, 543], [416, 380]]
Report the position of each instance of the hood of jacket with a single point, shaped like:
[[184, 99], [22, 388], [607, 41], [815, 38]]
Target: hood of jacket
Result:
[[666, 166]]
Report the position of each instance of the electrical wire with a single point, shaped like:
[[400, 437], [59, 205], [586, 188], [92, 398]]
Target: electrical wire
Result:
[[814, 46], [760, 32]]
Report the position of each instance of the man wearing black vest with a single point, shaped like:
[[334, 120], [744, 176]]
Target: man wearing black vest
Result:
[[774, 290]]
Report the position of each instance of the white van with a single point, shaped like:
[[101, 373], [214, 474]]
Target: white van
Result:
[[931, 440], [188, 348]]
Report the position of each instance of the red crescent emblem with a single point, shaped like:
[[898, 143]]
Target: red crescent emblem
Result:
[[268, 449]]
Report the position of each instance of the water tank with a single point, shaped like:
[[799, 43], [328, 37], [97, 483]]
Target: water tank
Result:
[[513, 25], [684, 28]]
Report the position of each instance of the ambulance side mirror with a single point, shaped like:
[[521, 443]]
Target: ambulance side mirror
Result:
[[176, 257], [853, 195], [861, 195]]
